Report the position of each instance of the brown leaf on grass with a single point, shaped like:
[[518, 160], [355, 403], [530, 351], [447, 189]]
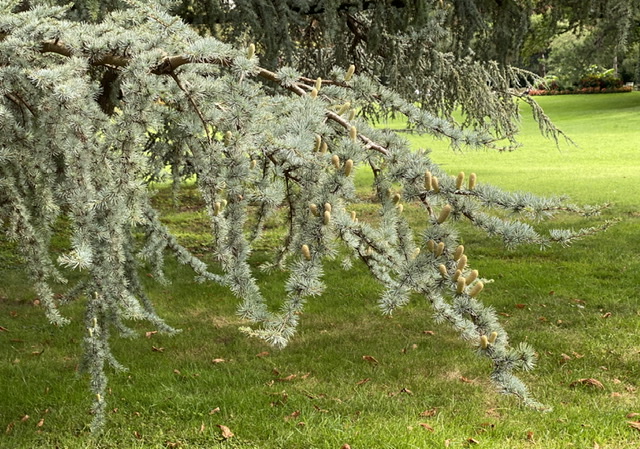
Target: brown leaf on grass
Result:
[[424, 425], [345, 446], [606, 315], [472, 441], [177, 371], [596, 445], [137, 434], [530, 436], [633, 415], [37, 352], [429, 413], [289, 378], [172, 445], [363, 381], [370, 359], [634, 424], [9, 427], [156, 349], [304, 376], [565, 358], [447, 443], [226, 432], [428, 332], [407, 391], [3, 329], [504, 314], [150, 333], [292, 416], [321, 410], [202, 428], [576, 355], [465, 380], [218, 361], [520, 306], [616, 395], [24, 418], [214, 411], [590, 381], [262, 354]]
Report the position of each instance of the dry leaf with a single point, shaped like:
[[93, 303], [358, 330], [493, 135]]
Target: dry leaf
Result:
[[472, 441], [10, 427], [429, 332], [345, 446], [202, 427], [363, 381], [150, 333], [172, 445], [293, 415], [177, 371], [565, 357], [606, 315], [530, 436], [321, 410], [262, 354], [634, 424], [596, 445], [590, 381], [465, 380], [3, 329], [155, 349], [426, 426], [406, 390], [633, 415], [137, 434], [304, 376], [617, 381], [218, 361], [24, 418], [504, 314], [214, 411], [288, 378], [520, 306], [447, 443], [576, 355], [430, 412], [301, 424], [226, 432], [370, 358], [616, 395]]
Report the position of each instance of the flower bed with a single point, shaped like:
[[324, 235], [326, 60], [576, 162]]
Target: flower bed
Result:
[[582, 90]]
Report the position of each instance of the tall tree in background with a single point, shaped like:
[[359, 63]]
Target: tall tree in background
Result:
[[95, 104]]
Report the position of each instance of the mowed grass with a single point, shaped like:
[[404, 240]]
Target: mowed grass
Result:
[[578, 307]]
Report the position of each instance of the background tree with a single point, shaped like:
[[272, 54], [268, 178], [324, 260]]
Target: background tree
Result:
[[91, 112]]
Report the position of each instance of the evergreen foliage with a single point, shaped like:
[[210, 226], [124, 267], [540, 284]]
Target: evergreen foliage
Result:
[[92, 111]]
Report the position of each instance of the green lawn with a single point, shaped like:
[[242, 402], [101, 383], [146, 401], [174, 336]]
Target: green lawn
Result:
[[579, 307]]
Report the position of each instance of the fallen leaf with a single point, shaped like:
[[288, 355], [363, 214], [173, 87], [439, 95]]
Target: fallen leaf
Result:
[[590, 381], [426, 426], [37, 352], [606, 315], [447, 443], [288, 378], [10, 427], [370, 358], [407, 391], [565, 357], [465, 380], [137, 434], [13, 313], [345, 446], [301, 424], [617, 381], [363, 381], [428, 332], [634, 424], [3, 329], [150, 333], [321, 410], [576, 355], [616, 395], [172, 445], [262, 354], [24, 418], [520, 306], [226, 432], [155, 349], [293, 415], [430, 412], [218, 361], [214, 411], [472, 441], [502, 314], [633, 415], [175, 371], [304, 376], [596, 445], [530, 436], [202, 427]]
